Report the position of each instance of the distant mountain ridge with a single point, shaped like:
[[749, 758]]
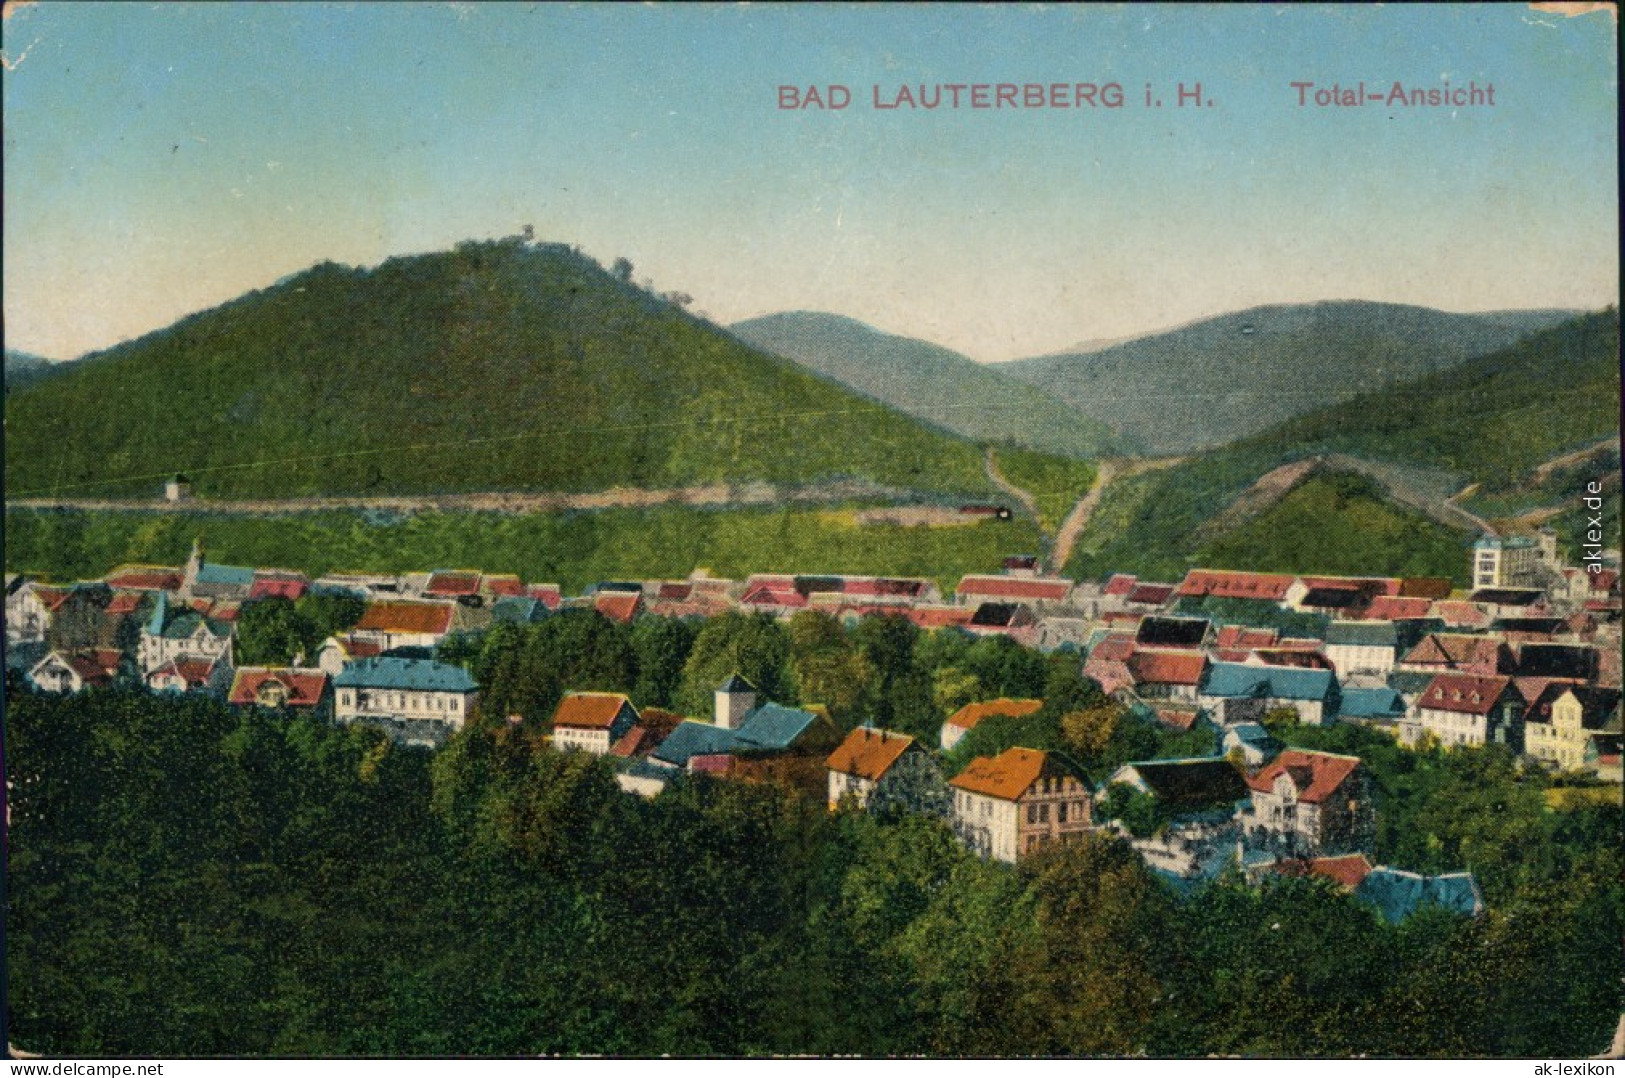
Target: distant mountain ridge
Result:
[[1213, 381], [24, 369], [929, 382], [499, 365]]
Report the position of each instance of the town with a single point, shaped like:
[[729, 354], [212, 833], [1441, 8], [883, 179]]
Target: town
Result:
[[1527, 659]]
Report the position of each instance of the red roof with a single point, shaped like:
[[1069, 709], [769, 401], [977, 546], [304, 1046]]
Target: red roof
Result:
[[1369, 585], [1177, 718], [50, 596], [549, 595], [1245, 637], [1120, 584], [590, 710], [124, 602], [1397, 608], [1452, 650], [505, 584], [1458, 612], [95, 666], [868, 753], [194, 672], [1151, 594], [774, 595], [883, 586], [968, 716], [939, 617], [304, 687], [1466, 694], [1316, 775], [1151, 666], [1116, 647], [618, 605], [282, 587], [146, 578], [1013, 587], [1006, 776], [1230, 584], [1347, 871], [675, 590], [452, 584], [393, 616], [1112, 674]]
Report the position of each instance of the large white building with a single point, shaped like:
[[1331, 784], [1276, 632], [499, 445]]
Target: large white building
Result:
[[417, 701]]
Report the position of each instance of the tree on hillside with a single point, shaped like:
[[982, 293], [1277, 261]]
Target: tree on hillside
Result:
[[754, 646], [827, 667]]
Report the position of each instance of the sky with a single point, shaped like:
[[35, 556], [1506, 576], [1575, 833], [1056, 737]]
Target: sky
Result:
[[164, 158]]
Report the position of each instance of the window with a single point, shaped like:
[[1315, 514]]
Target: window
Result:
[[1043, 814], [1060, 813], [1032, 813]]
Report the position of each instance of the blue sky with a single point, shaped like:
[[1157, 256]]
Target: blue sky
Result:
[[160, 159]]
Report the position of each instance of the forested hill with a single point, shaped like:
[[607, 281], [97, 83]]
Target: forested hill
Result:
[[1224, 378], [1490, 421], [496, 366], [930, 382]]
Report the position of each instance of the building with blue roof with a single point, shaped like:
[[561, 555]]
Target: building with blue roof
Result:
[[172, 633], [1253, 742], [1397, 894], [1239, 692], [1378, 704], [415, 701]]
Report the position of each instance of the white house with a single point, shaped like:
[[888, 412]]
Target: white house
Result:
[[417, 701], [592, 721]]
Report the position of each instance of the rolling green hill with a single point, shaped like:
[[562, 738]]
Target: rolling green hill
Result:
[[1488, 420], [1211, 382], [929, 382], [496, 366], [23, 369]]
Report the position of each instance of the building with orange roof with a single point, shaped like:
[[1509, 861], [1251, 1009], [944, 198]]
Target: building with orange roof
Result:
[[1009, 805], [399, 623], [622, 606], [592, 721], [281, 688], [872, 766], [1307, 803], [1234, 584], [965, 719]]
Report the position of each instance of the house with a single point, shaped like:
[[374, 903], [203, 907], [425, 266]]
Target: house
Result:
[[1000, 619], [1167, 675], [76, 671], [772, 593], [653, 726], [279, 584], [767, 731], [1009, 805], [177, 488], [1362, 647], [1467, 709], [1569, 661], [1505, 562], [1398, 608], [145, 578], [1379, 704], [282, 689], [415, 701], [621, 606], [203, 579], [1250, 742], [965, 719], [1038, 593], [1397, 894], [592, 721], [1564, 719], [1237, 692], [29, 605], [337, 652], [1168, 632], [1510, 602], [878, 766], [185, 675], [395, 623], [1307, 803], [170, 634], [1231, 584], [1439, 653]]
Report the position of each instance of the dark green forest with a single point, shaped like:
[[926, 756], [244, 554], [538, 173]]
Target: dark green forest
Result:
[[498, 365], [184, 880], [1490, 420]]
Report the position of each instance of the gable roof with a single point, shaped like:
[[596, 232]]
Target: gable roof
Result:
[[591, 710], [453, 582], [411, 675], [1398, 608], [1317, 775], [1597, 705], [1150, 594], [618, 605], [1271, 682], [1006, 776], [691, 739], [1365, 634], [1245, 637], [1026, 589], [305, 687], [225, 576], [146, 578], [1397, 894], [868, 753], [1459, 613], [1231, 584], [1372, 703], [1120, 584], [398, 616], [1466, 694], [1154, 667], [94, 666], [1455, 649], [773, 726], [194, 672], [968, 716]]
